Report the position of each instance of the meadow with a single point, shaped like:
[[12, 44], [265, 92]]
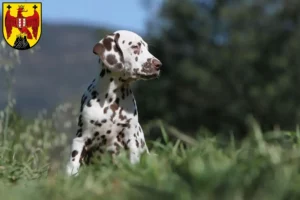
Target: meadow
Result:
[[262, 166]]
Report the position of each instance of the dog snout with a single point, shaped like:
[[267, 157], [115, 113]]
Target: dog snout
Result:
[[157, 64]]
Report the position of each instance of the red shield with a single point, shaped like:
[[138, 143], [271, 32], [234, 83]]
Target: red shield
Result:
[[21, 22]]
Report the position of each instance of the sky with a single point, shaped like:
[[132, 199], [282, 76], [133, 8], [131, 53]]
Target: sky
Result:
[[121, 14]]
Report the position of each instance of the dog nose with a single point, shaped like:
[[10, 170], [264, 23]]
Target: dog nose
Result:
[[157, 64]]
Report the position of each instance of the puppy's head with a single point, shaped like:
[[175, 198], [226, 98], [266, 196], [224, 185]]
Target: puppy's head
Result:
[[126, 53]]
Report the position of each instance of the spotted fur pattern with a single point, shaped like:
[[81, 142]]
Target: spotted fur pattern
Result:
[[108, 120]]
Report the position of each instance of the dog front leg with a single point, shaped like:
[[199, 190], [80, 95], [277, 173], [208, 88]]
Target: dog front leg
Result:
[[74, 163]]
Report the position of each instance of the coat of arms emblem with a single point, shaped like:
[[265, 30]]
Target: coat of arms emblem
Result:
[[22, 24]]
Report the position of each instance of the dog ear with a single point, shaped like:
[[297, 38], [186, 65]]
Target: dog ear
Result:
[[109, 51]]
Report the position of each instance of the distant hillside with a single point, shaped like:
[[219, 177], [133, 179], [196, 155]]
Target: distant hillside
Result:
[[58, 71]]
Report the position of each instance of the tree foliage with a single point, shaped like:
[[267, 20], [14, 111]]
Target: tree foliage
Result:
[[222, 61]]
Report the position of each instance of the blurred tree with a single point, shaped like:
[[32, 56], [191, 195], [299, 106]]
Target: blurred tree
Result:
[[223, 60]]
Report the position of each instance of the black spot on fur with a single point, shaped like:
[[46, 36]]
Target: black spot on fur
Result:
[[106, 95], [111, 79], [102, 73], [79, 132], [94, 94], [96, 134], [89, 103], [117, 100], [98, 124], [108, 132], [90, 87], [74, 153], [104, 121], [88, 142], [83, 99]]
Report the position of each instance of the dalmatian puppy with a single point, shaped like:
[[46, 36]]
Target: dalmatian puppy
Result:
[[108, 120]]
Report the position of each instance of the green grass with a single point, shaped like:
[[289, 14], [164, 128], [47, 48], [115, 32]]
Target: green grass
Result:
[[263, 166]]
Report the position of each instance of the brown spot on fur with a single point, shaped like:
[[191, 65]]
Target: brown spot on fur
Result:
[[111, 59], [119, 50], [107, 42], [122, 117], [105, 109], [119, 65], [114, 107]]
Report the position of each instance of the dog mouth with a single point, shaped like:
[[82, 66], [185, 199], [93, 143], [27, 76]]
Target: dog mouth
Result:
[[148, 76]]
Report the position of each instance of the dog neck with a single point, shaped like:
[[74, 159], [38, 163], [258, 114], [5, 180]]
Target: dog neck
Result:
[[110, 84]]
